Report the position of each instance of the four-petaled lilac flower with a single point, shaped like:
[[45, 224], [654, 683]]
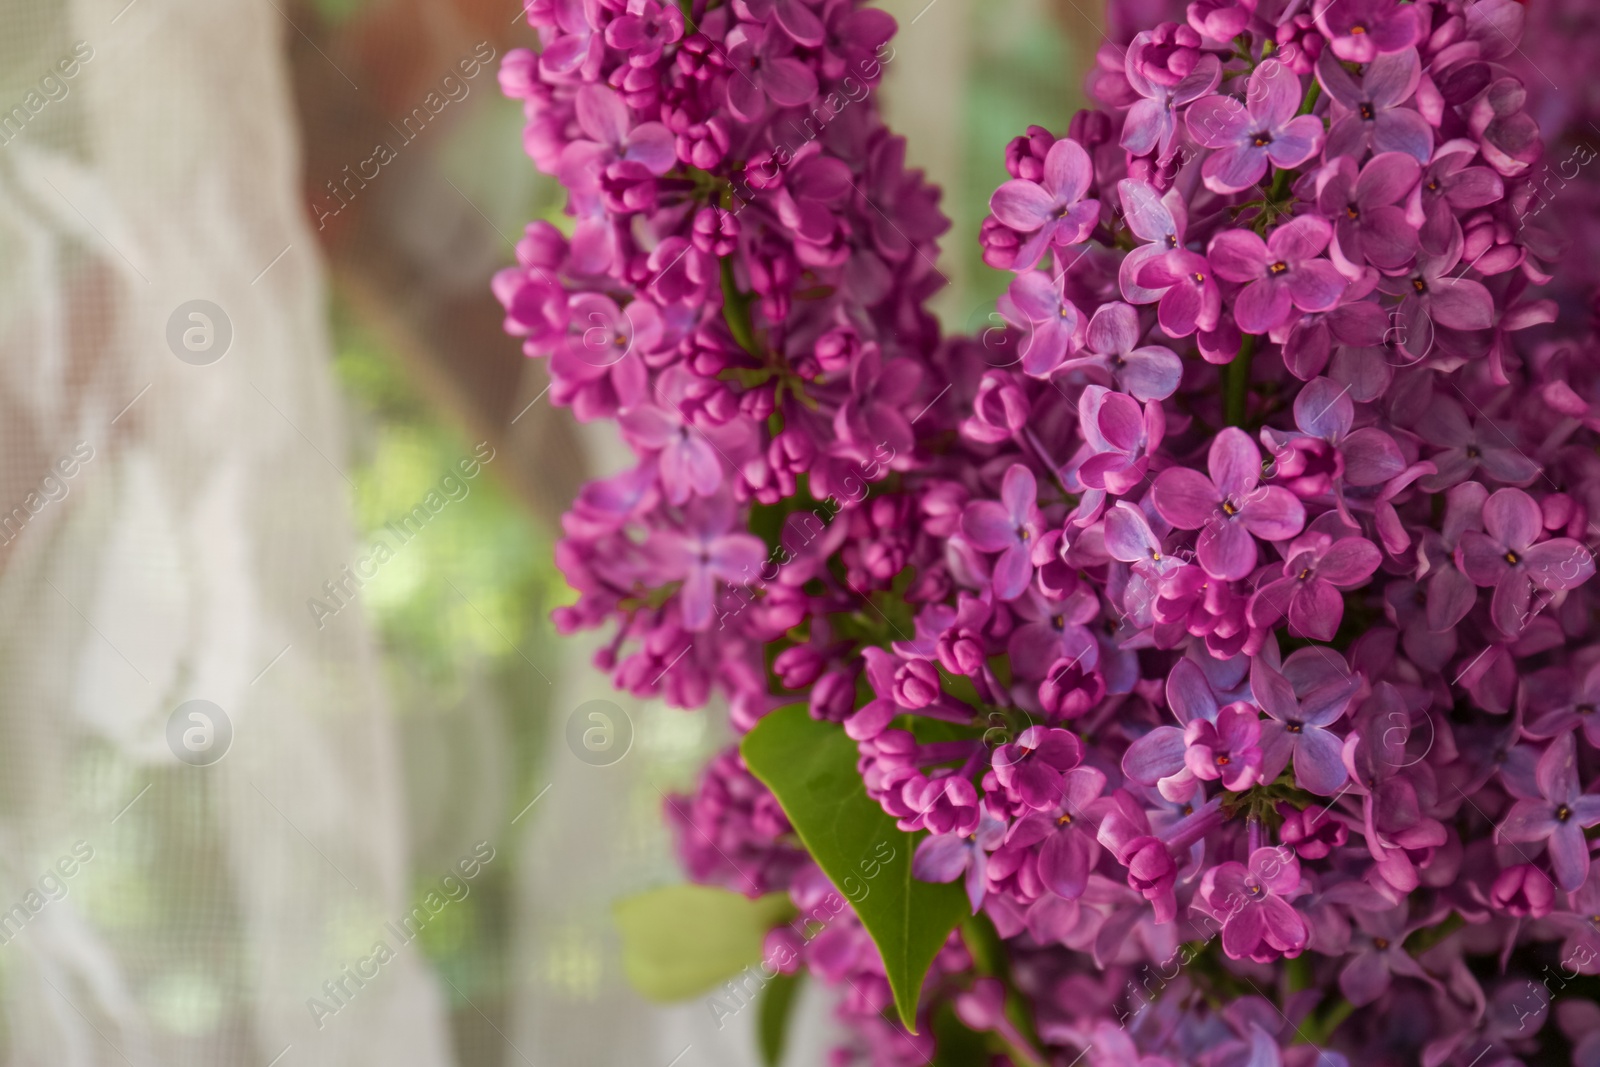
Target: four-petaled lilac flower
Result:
[[1129, 538], [1228, 749], [1171, 54], [536, 308], [879, 391], [1049, 631], [1148, 373], [1317, 567], [1010, 526], [1258, 922], [1219, 20], [999, 411], [1450, 594], [1119, 436], [1368, 226], [903, 209], [689, 463], [1190, 299], [1299, 727], [1156, 218], [1379, 954], [808, 199], [851, 37], [1324, 412], [1509, 556], [763, 69], [795, 16], [1577, 707], [600, 370], [1053, 324], [1558, 815], [1283, 272], [1468, 446], [702, 553], [1432, 296], [1450, 187], [1263, 130], [613, 138], [645, 29], [1231, 508], [946, 857], [576, 51], [1358, 31], [1508, 137], [1031, 767], [1368, 114], [1064, 833], [1152, 124], [1052, 211], [1399, 834], [1159, 757]]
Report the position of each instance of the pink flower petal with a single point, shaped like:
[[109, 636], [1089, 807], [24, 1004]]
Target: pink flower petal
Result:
[[1022, 205]]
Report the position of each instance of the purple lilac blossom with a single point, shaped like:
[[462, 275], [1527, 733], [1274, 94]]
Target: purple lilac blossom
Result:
[[1249, 559]]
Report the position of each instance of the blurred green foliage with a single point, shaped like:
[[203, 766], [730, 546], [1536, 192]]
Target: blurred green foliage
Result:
[[462, 612], [477, 585], [1021, 77], [334, 12]]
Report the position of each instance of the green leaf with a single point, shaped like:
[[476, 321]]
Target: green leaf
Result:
[[682, 940], [777, 1007], [810, 767]]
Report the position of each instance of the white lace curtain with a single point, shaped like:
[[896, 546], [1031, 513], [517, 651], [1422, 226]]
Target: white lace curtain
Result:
[[166, 510], [173, 564]]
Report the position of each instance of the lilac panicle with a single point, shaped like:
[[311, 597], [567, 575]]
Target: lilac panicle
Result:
[[1223, 617]]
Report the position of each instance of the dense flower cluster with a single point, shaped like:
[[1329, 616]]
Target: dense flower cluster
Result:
[[742, 290], [1224, 624]]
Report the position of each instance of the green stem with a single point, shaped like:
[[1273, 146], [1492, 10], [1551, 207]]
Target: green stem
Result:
[[1317, 1031], [736, 310], [1027, 1057], [1280, 186], [1313, 94], [1336, 1015], [1280, 181], [1422, 940], [1297, 974], [1236, 382]]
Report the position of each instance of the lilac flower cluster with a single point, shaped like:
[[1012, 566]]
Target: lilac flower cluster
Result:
[[741, 288], [1224, 625]]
